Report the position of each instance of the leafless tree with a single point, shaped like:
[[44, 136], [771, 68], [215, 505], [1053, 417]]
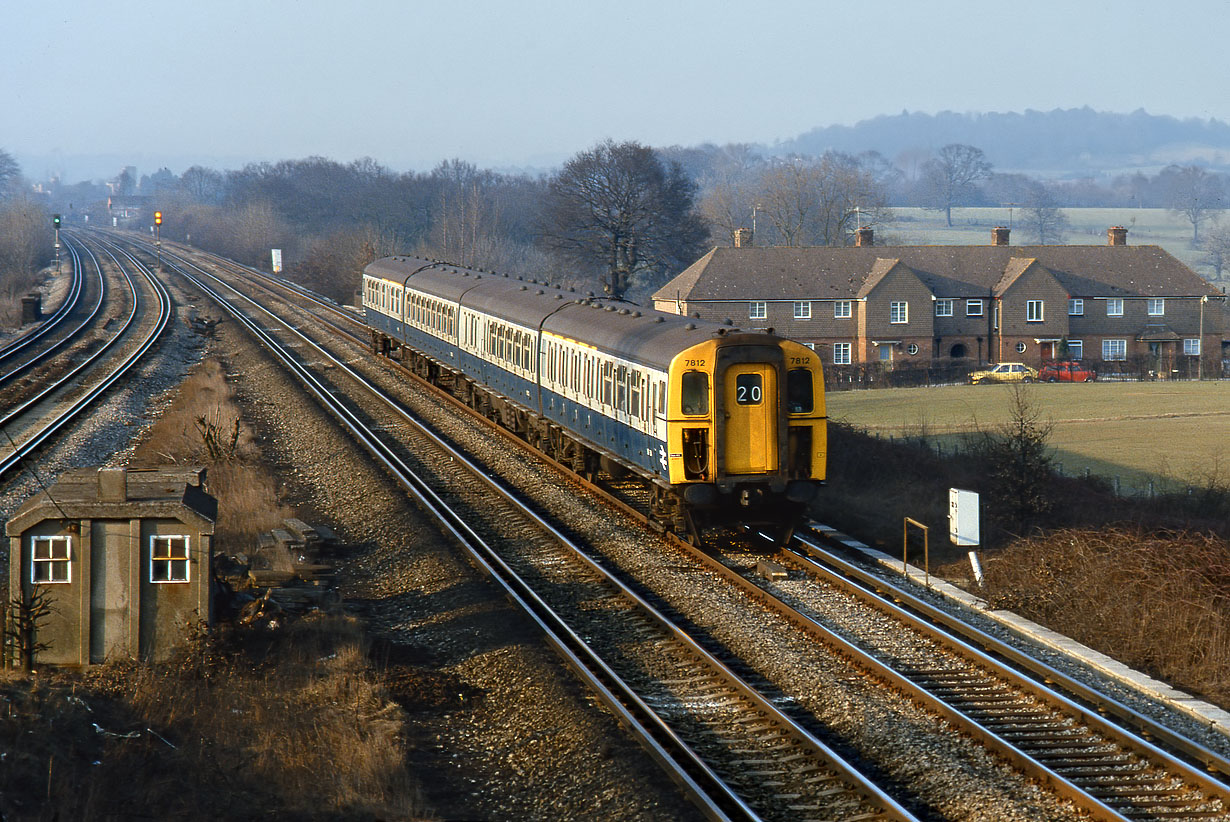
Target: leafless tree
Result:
[[203, 185], [1041, 218], [810, 202], [10, 175], [1192, 193], [1216, 245], [950, 179], [618, 207]]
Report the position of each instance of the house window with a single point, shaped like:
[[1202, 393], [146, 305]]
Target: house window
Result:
[[911, 349], [1020, 348], [1033, 311], [898, 312], [1114, 349], [842, 309], [1114, 307], [757, 310], [841, 353], [168, 559], [49, 559], [1076, 307], [943, 308], [1191, 347], [1076, 349], [802, 309], [973, 308], [1157, 306]]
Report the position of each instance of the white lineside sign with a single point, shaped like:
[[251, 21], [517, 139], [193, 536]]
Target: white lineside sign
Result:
[[277, 261], [963, 524]]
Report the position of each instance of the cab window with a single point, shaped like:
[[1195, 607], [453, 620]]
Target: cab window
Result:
[[694, 393], [800, 398]]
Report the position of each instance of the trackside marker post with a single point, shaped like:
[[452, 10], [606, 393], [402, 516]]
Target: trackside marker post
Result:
[[963, 525]]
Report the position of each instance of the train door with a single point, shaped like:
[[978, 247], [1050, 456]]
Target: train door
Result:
[[750, 402]]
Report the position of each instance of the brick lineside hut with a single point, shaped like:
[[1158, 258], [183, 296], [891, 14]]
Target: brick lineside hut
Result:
[[124, 556]]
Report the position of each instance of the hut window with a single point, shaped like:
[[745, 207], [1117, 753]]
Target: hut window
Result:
[[168, 559], [49, 559]]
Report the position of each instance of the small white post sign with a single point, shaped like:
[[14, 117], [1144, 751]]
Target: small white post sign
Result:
[[963, 524], [963, 517], [277, 261]]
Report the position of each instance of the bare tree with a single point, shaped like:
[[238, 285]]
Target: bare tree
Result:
[[1216, 245], [950, 179], [811, 202], [618, 207], [10, 175], [1041, 217], [203, 185], [1192, 193]]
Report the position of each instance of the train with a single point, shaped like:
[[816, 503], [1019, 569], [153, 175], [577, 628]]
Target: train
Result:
[[723, 426]]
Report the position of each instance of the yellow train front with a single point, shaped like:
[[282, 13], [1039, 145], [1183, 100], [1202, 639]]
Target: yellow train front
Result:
[[746, 430]]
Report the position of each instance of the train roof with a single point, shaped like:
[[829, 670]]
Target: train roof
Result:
[[620, 328]]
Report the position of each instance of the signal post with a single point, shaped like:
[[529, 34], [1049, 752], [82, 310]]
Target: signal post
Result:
[[55, 221], [158, 237]]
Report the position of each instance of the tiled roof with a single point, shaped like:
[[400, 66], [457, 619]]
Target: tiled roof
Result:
[[949, 271]]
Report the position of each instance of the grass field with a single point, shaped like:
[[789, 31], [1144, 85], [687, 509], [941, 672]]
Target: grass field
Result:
[[972, 226], [1171, 433]]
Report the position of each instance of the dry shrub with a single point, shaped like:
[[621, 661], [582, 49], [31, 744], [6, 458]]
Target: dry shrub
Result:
[[247, 493], [288, 723], [1157, 602]]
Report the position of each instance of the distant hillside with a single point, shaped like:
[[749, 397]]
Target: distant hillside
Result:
[[1061, 143]]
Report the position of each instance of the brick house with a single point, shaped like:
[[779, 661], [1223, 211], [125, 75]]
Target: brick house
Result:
[[919, 305]]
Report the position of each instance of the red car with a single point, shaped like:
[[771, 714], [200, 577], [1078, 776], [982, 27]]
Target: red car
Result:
[[1066, 371]]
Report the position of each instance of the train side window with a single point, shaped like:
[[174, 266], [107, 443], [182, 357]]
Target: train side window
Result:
[[694, 393], [608, 389], [634, 401], [621, 389], [662, 398], [800, 395]]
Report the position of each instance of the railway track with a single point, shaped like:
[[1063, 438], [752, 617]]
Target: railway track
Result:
[[67, 323], [729, 746], [33, 422], [1048, 736]]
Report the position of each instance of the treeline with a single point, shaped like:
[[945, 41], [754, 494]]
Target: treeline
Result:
[[620, 217], [26, 244]]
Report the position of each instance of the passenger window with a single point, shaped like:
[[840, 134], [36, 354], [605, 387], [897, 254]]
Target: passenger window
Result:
[[800, 398], [608, 394], [694, 393], [749, 389]]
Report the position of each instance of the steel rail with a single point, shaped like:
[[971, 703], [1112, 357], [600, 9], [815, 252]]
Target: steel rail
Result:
[[42, 435], [866, 590], [59, 320], [69, 303], [570, 645], [1149, 727]]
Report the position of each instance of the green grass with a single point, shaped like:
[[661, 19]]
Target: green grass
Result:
[[1171, 433], [972, 226]]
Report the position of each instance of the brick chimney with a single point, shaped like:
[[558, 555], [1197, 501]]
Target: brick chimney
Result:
[[999, 235], [864, 236], [743, 238], [1116, 235]]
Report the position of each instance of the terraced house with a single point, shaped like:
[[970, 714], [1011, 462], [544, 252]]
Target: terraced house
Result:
[[918, 305]]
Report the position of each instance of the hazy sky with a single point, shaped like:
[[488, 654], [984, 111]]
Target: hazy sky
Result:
[[530, 82]]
